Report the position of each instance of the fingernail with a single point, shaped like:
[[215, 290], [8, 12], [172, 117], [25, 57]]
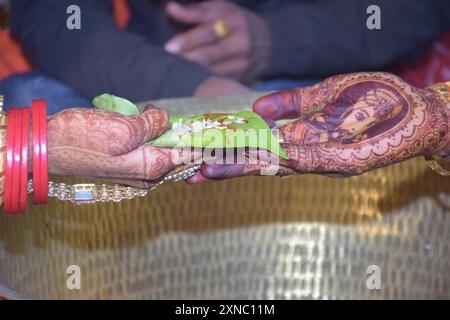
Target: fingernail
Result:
[[172, 47], [149, 106], [267, 109], [223, 171], [270, 122], [197, 178]]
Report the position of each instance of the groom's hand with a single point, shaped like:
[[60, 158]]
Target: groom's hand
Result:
[[101, 144], [242, 52]]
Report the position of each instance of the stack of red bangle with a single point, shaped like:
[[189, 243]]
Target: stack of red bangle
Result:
[[16, 164]]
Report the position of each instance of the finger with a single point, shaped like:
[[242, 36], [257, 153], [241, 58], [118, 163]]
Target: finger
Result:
[[296, 102], [195, 13], [214, 171], [156, 122], [198, 178], [184, 14], [198, 36], [206, 55], [230, 48], [105, 132], [331, 158], [185, 156], [228, 171], [204, 34], [144, 163], [232, 67], [146, 126], [150, 163], [270, 123], [255, 163], [147, 165]]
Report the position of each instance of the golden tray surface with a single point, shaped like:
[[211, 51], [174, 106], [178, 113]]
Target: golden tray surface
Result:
[[302, 237]]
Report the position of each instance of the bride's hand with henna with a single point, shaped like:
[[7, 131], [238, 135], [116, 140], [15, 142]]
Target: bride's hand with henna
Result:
[[350, 124], [101, 144]]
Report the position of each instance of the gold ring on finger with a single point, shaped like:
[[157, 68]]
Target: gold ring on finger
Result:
[[220, 28]]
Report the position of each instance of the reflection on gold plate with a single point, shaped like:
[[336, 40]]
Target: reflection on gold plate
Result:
[[260, 237]]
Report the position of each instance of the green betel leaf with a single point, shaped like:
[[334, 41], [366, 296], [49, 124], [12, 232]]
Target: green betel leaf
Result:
[[220, 130], [109, 102], [210, 130]]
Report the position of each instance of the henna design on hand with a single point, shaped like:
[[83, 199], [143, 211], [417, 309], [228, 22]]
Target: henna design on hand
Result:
[[349, 124], [372, 120], [100, 144]]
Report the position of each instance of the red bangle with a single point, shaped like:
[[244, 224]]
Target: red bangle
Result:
[[40, 165], [43, 151], [17, 162], [24, 164], [36, 152], [9, 160]]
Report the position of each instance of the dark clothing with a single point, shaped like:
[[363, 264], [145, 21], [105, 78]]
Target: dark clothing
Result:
[[20, 89], [310, 38]]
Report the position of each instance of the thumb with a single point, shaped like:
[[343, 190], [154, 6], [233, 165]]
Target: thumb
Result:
[[156, 121], [292, 103]]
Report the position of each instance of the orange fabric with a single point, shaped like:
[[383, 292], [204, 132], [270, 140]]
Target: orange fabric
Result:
[[121, 13], [12, 59], [434, 67]]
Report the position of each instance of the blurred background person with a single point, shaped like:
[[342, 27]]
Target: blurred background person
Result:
[[145, 49]]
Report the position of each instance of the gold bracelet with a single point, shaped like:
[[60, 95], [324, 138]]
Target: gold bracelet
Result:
[[442, 89], [436, 167], [90, 193]]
